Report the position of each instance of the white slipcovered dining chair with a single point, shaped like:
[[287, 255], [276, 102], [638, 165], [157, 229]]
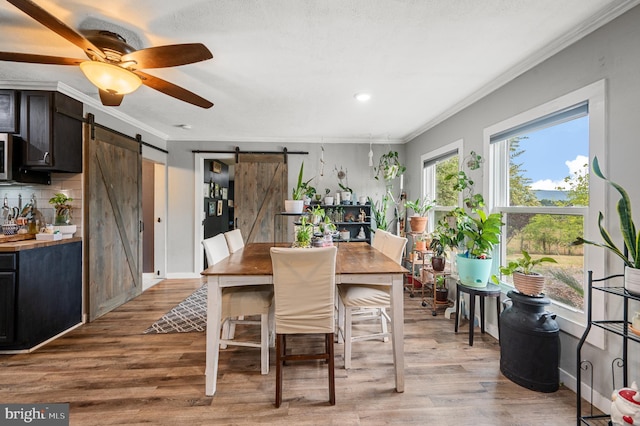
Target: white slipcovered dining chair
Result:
[[365, 301], [234, 239], [238, 302], [304, 295]]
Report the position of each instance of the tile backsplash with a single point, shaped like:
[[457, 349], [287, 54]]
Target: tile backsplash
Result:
[[67, 183]]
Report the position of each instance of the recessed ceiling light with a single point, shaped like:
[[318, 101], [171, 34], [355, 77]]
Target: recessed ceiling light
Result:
[[184, 126], [362, 96]]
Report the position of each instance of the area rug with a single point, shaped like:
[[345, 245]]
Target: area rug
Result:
[[188, 316]]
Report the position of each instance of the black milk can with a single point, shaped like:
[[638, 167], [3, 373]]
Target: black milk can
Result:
[[530, 343]]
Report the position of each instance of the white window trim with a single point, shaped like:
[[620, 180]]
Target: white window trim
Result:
[[570, 321], [428, 184]]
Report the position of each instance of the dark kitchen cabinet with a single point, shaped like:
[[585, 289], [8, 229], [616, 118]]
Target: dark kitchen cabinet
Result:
[[41, 294], [8, 111], [7, 304], [51, 131]]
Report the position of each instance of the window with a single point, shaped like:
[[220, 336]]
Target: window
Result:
[[435, 166], [542, 193], [539, 179]]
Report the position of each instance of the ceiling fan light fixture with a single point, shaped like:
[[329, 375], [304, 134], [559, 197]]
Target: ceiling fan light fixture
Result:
[[110, 78]]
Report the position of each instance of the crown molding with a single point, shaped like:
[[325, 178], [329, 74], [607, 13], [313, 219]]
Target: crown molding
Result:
[[317, 140], [84, 98]]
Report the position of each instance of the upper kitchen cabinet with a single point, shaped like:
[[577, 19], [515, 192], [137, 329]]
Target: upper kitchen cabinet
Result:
[[51, 130], [8, 111]]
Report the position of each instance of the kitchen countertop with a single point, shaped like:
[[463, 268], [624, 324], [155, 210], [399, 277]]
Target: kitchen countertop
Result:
[[14, 246]]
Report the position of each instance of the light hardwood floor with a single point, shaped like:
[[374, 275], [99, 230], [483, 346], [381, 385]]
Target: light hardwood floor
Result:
[[111, 373]]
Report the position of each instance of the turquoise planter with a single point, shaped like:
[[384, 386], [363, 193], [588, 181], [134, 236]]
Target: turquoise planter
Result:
[[473, 272]]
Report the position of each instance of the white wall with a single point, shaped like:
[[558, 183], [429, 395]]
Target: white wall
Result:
[[611, 53]]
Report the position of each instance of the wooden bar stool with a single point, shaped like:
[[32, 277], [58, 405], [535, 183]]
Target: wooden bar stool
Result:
[[491, 290]]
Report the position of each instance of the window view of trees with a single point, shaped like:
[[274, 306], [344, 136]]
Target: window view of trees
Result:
[[548, 234], [445, 194], [544, 222]]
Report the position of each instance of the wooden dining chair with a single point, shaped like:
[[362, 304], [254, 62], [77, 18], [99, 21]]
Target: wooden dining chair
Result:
[[234, 239], [304, 295], [238, 302], [367, 301]]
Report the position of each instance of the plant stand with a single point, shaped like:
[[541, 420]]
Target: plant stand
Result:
[[420, 266]]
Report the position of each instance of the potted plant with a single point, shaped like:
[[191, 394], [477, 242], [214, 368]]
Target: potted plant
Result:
[[327, 227], [630, 254], [421, 242], [481, 233], [346, 192], [379, 212], [310, 192], [462, 183], [420, 208], [296, 203], [441, 288], [63, 209], [389, 167], [438, 258], [317, 214], [328, 199], [525, 280], [304, 233]]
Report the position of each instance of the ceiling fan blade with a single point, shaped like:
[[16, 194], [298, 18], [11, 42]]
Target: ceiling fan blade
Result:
[[38, 59], [57, 26], [110, 99], [173, 90], [168, 56]]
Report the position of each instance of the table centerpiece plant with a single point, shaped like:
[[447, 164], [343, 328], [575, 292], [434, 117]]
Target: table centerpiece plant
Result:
[[304, 233]]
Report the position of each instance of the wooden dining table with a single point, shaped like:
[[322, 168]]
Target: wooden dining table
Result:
[[357, 262]]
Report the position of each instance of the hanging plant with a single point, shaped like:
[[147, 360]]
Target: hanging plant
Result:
[[389, 167]]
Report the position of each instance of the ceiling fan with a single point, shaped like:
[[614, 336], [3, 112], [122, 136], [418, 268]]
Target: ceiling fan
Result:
[[113, 65]]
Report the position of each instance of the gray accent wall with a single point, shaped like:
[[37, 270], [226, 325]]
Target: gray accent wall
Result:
[[611, 53]]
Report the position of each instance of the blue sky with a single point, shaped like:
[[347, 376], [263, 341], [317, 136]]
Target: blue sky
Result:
[[553, 153]]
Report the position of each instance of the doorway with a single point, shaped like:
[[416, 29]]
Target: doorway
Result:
[[201, 210], [260, 187], [154, 189]]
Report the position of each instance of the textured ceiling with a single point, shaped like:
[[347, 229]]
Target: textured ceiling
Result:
[[287, 70]]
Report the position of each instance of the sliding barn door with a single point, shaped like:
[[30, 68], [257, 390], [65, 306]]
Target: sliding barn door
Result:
[[113, 197], [260, 188]]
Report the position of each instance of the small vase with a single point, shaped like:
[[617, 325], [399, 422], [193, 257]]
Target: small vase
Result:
[[62, 220]]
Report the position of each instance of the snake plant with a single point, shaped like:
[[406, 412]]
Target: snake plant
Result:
[[628, 229]]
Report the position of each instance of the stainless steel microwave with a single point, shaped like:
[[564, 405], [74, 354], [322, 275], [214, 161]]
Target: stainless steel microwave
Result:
[[6, 156]]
